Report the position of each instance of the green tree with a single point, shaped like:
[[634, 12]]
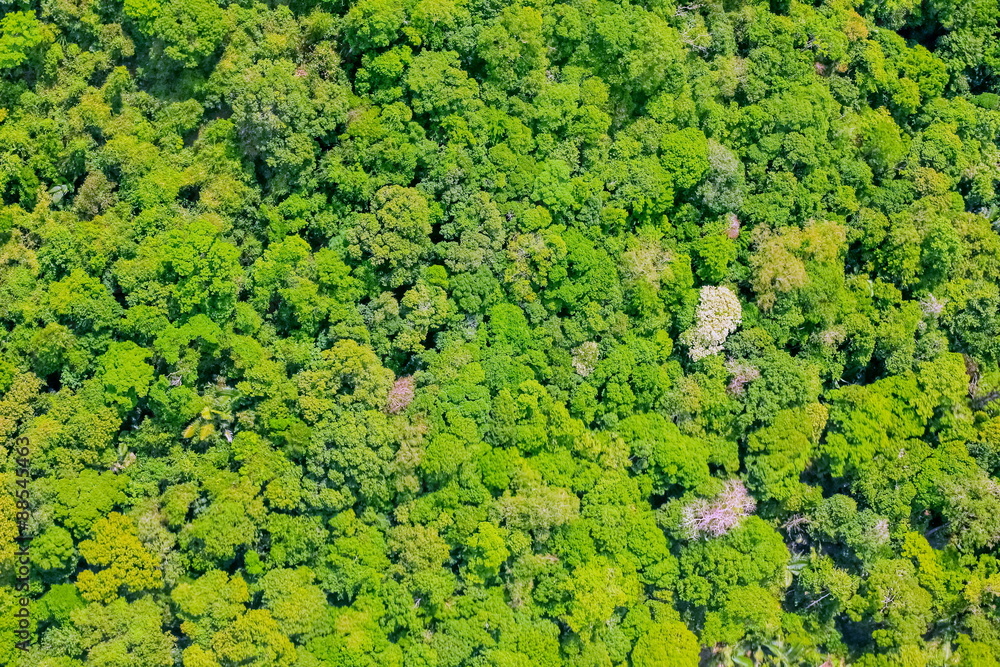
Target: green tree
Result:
[[20, 34], [395, 236], [127, 565], [122, 633]]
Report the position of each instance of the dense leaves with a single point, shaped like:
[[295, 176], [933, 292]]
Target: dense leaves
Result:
[[443, 332]]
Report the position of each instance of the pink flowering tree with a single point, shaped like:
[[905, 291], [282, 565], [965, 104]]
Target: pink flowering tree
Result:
[[400, 396], [718, 516]]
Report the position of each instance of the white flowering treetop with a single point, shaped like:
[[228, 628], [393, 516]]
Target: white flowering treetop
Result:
[[719, 314], [585, 358]]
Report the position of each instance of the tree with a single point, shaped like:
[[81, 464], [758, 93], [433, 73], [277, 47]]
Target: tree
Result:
[[218, 534], [747, 613], [486, 552], [724, 513], [779, 453], [632, 44], [667, 643], [895, 600], [438, 85], [122, 633], [596, 590], [719, 313], [127, 566], [20, 33], [209, 604], [780, 264], [513, 47], [80, 501], [395, 236], [253, 639], [281, 112], [189, 31], [673, 459], [184, 271], [126, 376], [297, 604], [350, 376], [374, 24], [752, 555]]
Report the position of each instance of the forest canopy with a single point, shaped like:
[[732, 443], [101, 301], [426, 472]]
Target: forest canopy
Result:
[[445, 333]]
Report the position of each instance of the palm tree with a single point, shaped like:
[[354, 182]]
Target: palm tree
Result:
[[216, 414], [770, 654]]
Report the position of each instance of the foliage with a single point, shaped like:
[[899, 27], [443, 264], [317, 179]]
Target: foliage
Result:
[[462, 332]]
